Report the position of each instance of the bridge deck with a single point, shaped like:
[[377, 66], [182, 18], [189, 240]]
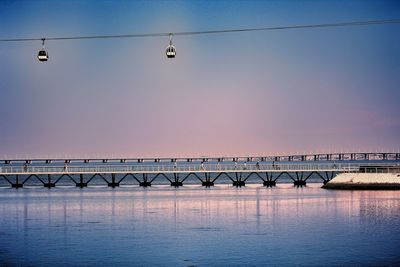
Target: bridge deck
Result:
[[340, 156], [188, 168]]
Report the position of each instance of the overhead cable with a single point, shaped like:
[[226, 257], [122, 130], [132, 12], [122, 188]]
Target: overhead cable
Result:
[[289, 27]]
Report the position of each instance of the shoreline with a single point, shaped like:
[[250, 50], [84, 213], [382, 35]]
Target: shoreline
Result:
[[365, 181], [365, 186]]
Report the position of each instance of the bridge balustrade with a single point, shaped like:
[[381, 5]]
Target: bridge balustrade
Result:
[[187, 168]]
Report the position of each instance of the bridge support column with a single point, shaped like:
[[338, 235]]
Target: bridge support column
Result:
[[145, 182], [113, 183], [300, 183], [17, 184], [238, 183], [49, 184], [269, 183], [207, 182], [81, 183], [176, 181]]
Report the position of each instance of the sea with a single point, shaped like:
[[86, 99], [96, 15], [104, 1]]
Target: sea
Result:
[[197, 226]]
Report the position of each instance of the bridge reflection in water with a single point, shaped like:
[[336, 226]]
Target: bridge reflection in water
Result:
[[176, 171]]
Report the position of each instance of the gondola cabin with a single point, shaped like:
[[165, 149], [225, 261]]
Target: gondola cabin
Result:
[[171, 51], [43, 55]]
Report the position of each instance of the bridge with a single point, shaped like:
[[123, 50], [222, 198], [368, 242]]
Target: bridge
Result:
[[350, 156], [298, 168]]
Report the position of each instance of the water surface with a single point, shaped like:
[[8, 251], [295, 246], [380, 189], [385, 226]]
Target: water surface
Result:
[[196, 226]]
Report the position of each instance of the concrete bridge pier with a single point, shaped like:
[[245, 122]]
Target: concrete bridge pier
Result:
[[113, 182], [176, 181], [81, 183], [17, 184], [269, 183], [49, 184], [299, 182], [207, 182], [145, 182], [238, 182]]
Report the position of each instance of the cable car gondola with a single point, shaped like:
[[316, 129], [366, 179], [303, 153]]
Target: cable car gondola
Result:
[[170, 51], [43, 55]]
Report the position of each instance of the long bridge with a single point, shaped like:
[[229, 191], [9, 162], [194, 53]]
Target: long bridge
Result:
[[207, 170], [350, 156]]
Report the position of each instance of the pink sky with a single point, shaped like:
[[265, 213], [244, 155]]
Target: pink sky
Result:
[[234, 94]]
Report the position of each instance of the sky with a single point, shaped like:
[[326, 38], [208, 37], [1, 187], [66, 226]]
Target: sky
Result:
[[255, 93]]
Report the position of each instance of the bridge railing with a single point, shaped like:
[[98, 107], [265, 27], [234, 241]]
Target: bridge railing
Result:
[[335, 156], [187, 168]]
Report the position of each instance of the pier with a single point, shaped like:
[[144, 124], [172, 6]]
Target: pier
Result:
[[144, 171], [359, 156]]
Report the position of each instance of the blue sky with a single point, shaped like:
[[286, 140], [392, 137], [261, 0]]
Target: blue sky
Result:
[[243, 93]]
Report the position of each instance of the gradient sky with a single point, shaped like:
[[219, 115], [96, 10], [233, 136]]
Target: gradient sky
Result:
[[288, 91]]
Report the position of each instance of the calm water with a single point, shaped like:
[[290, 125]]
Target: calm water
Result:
[[195, 226]]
